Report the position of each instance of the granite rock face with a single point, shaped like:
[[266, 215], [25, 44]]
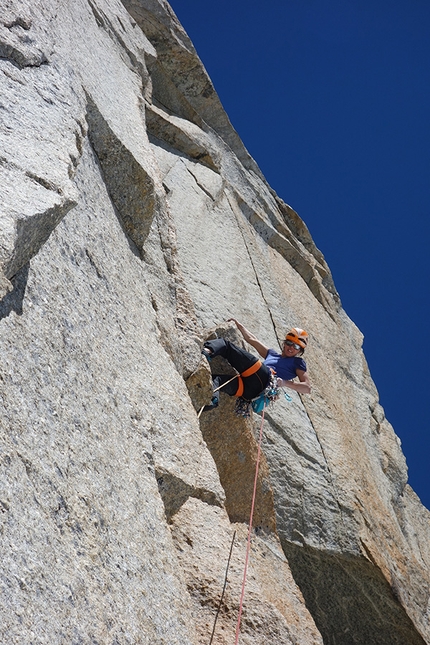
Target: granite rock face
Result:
[[134, 223]]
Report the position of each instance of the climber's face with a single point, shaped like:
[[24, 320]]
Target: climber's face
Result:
[[290, 349]]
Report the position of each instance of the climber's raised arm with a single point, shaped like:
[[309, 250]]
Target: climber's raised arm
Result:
[[250, 338]]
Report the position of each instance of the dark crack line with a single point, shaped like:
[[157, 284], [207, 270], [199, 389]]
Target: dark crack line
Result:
[[294, 445], [202, 188], [252, 263], [332, 482], [274, 328]]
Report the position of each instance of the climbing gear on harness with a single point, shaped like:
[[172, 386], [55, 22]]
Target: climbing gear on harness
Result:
[[298, 336], [242, 407], [249, 372], [258, 404], [269, 395]]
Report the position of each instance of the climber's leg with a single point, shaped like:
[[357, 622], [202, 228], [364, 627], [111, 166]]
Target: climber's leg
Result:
[[238, 358]]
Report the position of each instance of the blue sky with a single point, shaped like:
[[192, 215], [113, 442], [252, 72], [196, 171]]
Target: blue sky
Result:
[[332, 99]]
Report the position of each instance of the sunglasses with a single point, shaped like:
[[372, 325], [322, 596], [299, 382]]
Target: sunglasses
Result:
[[291, 344]]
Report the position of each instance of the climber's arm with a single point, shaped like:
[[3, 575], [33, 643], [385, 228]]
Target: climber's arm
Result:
[[250, 338], [304, 387]]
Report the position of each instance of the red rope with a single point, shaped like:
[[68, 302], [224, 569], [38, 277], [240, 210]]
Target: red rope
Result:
[[249, 531]]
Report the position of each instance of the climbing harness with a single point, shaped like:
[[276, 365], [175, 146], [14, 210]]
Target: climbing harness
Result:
[[249, 372], [242, 406], [240, 388], [269, 395]]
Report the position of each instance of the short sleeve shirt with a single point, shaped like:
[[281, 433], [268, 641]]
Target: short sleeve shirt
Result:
[[285, 367]]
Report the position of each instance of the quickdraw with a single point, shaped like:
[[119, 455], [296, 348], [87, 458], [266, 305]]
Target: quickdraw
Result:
[[268, 396]]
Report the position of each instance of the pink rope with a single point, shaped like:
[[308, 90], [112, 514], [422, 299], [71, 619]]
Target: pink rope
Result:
[[248, 546]]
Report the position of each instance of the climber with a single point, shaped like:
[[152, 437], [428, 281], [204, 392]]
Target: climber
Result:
[[256, 376]]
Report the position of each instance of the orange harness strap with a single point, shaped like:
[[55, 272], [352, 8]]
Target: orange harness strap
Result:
[[249, 372], [240, 386]]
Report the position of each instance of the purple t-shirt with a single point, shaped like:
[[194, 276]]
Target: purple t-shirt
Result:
[[285, 368]]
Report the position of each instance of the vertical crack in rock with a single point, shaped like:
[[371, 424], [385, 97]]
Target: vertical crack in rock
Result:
[[349, 599], [182, 341], [239, 223], [130, 187], [307, 504], [311, 272], [336, 495]]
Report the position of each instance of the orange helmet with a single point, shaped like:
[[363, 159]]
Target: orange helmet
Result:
[[298, 336]]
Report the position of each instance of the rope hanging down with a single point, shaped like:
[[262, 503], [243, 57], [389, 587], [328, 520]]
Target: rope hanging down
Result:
[[216, 390], [248, 546], [249, 530]]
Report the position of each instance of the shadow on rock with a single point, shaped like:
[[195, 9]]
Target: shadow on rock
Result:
[[14, 299]]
